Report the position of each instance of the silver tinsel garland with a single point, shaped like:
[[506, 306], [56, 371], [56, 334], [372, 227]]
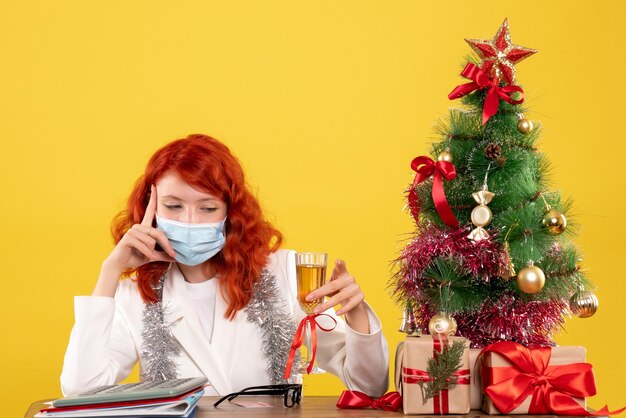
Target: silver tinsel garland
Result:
[[278, 327], [266, 309], [159, 345]]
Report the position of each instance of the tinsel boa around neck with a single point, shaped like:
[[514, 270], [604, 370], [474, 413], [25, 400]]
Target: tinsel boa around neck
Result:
[[278, 327], [159, 345], [266, 309]]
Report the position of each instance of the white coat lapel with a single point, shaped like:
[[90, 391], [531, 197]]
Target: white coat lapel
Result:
[[185, 326]]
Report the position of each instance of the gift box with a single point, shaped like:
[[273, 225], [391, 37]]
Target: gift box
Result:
[[543, 380], [476, 389], [412, 377]]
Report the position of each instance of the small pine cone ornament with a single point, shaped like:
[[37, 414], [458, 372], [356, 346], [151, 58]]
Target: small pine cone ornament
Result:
[[493, 151]]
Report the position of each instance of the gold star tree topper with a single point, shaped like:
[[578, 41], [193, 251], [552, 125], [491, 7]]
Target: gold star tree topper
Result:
[[499, 55]]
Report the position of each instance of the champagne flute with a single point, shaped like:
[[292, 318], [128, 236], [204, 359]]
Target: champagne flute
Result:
[[310, 274]]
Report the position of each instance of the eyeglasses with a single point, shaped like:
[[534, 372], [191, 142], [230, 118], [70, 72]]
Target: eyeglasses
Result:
[[292, 393]]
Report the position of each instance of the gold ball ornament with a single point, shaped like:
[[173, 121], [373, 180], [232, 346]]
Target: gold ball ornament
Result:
[[583, 304], [531, 279], [445, 156], [554, 221], [525, 126], [442, 323]]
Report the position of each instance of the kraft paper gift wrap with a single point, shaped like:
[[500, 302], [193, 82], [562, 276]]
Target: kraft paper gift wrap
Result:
[[476, 390], [560, 356], [412, 355]]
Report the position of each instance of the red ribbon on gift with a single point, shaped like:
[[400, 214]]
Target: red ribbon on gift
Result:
[[353, 399], [417, 375], [298, 340], [481, 80], [440, 402], [425, 167], [414, 376], [552, 387]]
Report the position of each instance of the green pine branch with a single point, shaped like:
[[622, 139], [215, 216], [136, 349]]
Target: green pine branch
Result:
[[441, 370], [451, 288]]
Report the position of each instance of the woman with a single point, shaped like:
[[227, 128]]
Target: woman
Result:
[[208, 292]]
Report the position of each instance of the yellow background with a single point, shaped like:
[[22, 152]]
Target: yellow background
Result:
[[324, 102]]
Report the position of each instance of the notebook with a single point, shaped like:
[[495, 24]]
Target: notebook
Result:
[[149, 389], [183, 406]]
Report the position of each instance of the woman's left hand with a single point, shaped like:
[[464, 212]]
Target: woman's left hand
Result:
[[342, 289]]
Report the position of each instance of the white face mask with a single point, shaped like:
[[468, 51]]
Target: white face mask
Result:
[[193, 243]]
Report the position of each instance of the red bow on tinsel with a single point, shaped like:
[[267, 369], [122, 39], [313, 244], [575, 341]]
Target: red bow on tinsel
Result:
[[425, 167], [298, 340], [551, 387], [353, 399], [481, 80]]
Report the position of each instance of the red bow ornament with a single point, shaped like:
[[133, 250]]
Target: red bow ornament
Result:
[[425, 167], [298, 340], [551, 388], [353, 399], [481, 80]]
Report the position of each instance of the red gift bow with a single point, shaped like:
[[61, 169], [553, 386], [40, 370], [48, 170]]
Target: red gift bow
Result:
[[353, 399], [414, 376], [551, 387], [481, 80], [425, 167], [298, 340]]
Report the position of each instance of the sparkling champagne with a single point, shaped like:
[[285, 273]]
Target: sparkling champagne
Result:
[[310, 277]]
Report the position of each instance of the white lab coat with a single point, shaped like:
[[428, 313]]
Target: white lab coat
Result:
[[106, 340]]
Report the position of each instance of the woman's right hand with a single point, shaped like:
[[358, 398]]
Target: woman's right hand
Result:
[[136, 248]]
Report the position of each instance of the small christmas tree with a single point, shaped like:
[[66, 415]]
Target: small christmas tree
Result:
[[492, 257]]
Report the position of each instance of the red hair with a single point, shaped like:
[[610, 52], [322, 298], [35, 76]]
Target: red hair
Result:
[[208, 165]]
